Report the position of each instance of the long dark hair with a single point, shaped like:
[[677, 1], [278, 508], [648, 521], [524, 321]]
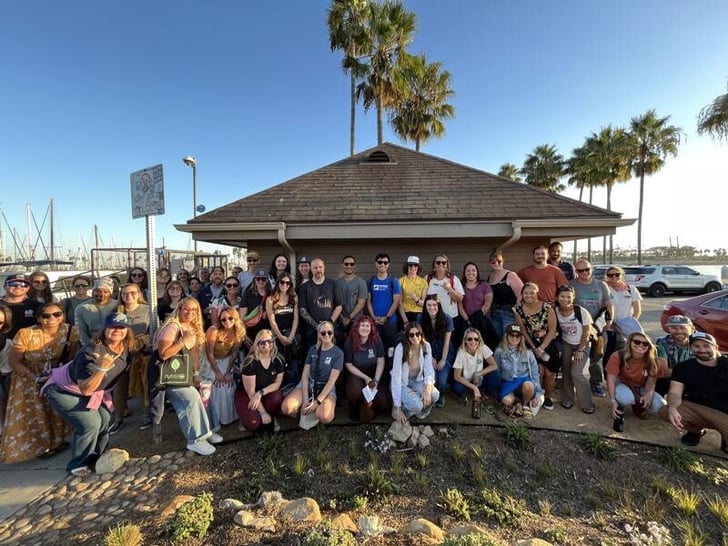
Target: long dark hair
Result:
[[439, 329], [478, 280], [275, 295], [46, 293], [273, 272], [407, 343]]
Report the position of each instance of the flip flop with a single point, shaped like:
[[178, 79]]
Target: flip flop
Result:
[[81, 471]]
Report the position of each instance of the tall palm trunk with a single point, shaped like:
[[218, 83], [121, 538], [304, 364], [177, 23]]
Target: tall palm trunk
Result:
[[352, 128], [380, 121], [576, 250], [643, 155], [589, 240]]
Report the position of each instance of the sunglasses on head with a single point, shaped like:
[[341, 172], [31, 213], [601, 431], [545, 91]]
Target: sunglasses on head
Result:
[[641, 343], [55, 314]]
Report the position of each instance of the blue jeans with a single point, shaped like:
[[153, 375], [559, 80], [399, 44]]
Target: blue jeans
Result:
[[625, 397], [90, 427], [442, 376], [190, 411], [412, 399], [501, 317], [490, 383]]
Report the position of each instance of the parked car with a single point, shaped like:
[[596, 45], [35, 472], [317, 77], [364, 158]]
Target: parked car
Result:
[[656, 280], [708, 312]]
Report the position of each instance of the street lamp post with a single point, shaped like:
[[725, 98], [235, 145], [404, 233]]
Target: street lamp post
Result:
[[192, 162]]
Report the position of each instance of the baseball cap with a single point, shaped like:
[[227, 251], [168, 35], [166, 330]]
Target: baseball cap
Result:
[[413, 260], [703, 336], [303, 260], [117, 320], [514, 329], [18, 278], [678, 320], [261, 273]]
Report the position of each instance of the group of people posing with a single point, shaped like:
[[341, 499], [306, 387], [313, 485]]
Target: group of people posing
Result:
[[269, 342]]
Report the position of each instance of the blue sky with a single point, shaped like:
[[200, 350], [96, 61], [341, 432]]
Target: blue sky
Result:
[[94, 90]]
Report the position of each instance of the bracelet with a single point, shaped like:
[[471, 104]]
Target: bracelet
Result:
[[261, 392], [317, 401]]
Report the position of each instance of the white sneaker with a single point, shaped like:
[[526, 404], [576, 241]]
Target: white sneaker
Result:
[[215, 438], [202, 447]]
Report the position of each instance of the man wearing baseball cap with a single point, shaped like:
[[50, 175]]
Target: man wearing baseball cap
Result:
[[24, 308], [674, 347], [698, 396], [90, 315]]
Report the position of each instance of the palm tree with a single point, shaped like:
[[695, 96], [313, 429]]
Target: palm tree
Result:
[[608, 152], [423, 89], [652, 141], [581, 173], [510, 171], [390, 30], [713, 119], [347, 31], [544, 168]]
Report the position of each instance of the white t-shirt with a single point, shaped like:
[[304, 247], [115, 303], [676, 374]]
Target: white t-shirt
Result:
[[449, 306], [472, 364], [571, 329], [623, 301]]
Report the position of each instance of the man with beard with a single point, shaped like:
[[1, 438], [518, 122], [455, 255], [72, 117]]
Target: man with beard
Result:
[[211, 292], [698, 396], [547, 277], [674, 347], [319, 300], [555, 251], [90, 316]]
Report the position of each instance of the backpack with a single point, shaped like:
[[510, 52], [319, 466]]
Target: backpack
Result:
[[371, 280], [579, 319]]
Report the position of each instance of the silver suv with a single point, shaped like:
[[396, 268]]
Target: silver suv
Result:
[[656, 280]]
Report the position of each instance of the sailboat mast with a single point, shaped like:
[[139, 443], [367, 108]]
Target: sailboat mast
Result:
[[53, 241]]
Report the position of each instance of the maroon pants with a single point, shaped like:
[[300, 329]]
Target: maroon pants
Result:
[[250, 419], [382, 401]]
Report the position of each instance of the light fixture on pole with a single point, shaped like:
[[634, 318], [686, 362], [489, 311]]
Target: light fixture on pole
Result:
[[192, 162]]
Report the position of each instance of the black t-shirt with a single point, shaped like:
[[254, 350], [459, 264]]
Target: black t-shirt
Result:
[[85, 361], [366, 357], [284, 316], [704, 385], [24, 315], [263, 377]]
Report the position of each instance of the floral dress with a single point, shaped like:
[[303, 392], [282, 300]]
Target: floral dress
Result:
[[221, 407], [31, 426]]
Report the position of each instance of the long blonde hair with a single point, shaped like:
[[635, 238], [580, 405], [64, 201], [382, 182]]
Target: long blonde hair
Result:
[[238, 326], [650, 358], [197, 322], [255, 354]]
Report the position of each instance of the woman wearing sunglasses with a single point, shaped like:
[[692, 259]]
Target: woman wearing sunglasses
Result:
[[229, 297], [222, 348], [32, 429], [520, 391], [139, 276], [631, 378], [259, 399], [475, 369], [281, 308], [40, 288], [316, 393], [413, 376], [80, 286]]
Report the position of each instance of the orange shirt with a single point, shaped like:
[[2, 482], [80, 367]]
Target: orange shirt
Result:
[[633, 375]]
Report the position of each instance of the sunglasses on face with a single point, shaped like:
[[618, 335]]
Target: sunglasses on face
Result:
[[382, 262], [284, 283], [252, 260], [232, 285], [585, 270], [614, 275], [412, 265], [471, 339], [227, 319], [55, 314], [265, 342], [39, 281], [17, 285], [260, 279], [137, 274], [440, 262], [514, 335], [326, 333], [80, 285], [641, 343], [413, 334]]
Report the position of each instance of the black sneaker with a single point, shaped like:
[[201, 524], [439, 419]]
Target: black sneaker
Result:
[[692, 438], [115, 427], [548, 404], [146, 423], [618, 424]]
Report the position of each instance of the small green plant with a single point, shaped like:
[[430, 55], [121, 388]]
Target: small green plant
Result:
[[654, 509], [685, 500], [600, 520], [480, 477], [272, 467], [557, 534], [544, 507], [719, 508], [299, 464], [192, 519], [679, 459], [124, 534], [692, 533], [504, 509], [376, 439], [544, 471], [421, 482], [598, 446], [455, 504], [398, 461], [458, 453], [377, 483], [359, 502], [422, 460], [517, 436], [271, 444], [477, 452], [325, 534], [352, 451], [474, 539]]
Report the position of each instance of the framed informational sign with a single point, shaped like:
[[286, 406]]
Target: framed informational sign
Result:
[[147, 192]]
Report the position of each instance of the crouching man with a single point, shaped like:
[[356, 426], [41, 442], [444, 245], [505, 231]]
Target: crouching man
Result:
[[698, 395]]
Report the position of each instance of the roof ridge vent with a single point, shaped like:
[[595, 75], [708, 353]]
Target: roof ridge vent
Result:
[[378, 157]]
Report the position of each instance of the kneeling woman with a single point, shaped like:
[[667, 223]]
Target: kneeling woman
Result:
[[260, 397], [631, 378], [520, 391], [413, 377], [81, 391], [316, 393], [471, 372]]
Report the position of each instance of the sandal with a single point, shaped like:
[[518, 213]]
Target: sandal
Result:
[[81, 471], [589, 411], [519, 410], [567, 405], [509, 410]]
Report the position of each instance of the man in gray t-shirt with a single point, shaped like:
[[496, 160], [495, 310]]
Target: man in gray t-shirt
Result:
[[353, 290], [593, 295]]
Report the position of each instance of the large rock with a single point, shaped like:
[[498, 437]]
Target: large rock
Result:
[[270, 500], [171, 507], [300, 510], [244, 518], [343, 521], [400, 432], [423, 441], [423, 527], [232, 504], [427, 431], [111, 461]]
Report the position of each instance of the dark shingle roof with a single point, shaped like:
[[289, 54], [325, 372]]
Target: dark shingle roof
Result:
[[412, 186]]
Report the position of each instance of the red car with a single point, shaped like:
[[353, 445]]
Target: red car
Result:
[[709, 313]]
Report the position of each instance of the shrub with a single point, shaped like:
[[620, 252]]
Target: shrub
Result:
[[124, 534], [471, 539], [192, 519], [517, 436], [325, 534], [503, 509], [598, 446], [377, 483], [455, 504]]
